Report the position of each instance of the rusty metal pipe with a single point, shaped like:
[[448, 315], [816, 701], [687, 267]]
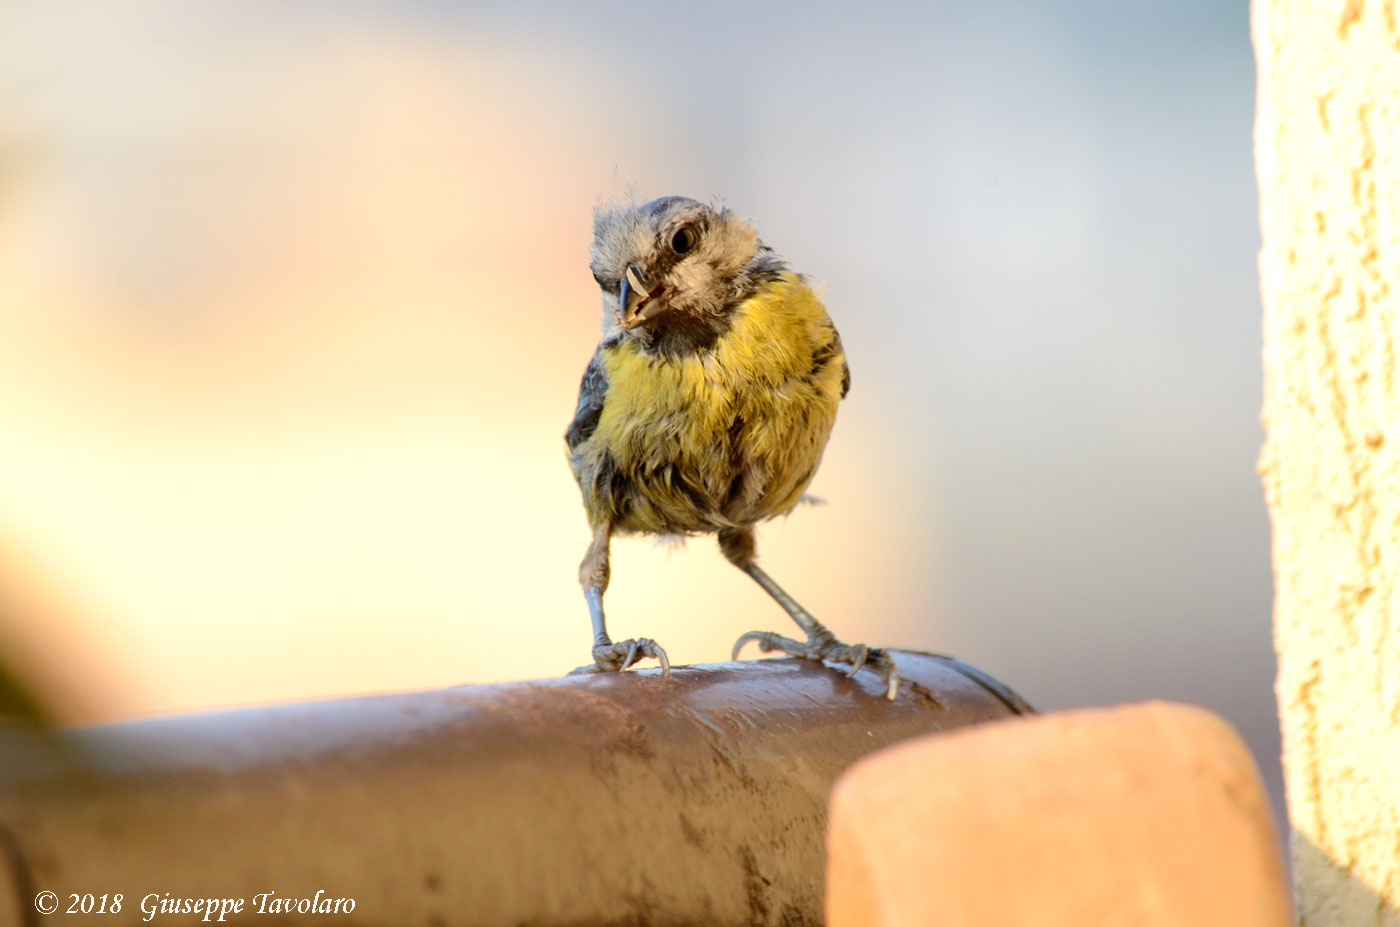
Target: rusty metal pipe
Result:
[[610, 799]]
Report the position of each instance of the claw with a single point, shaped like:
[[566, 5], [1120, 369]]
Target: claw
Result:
[[744, 639], [646, 647], [884, 665], [661, 655], [862, 654], [822, 646], [894, 684], [616, 657], [769, 641]]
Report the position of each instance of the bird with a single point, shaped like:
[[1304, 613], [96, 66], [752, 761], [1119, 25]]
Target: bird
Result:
[[705, 408]]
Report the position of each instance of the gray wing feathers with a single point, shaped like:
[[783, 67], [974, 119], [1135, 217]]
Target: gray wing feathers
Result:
[[591, 394]]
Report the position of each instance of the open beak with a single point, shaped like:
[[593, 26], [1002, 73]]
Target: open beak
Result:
[[636, 301]]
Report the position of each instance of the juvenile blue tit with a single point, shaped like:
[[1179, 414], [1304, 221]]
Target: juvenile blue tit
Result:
[[706, 407]]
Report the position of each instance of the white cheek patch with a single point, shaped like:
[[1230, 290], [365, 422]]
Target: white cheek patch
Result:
[[692, 277], [740, 246]]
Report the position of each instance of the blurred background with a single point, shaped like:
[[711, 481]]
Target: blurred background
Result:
[[294, 302]]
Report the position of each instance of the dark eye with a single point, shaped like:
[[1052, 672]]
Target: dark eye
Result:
[[603, 283], [683, 240]]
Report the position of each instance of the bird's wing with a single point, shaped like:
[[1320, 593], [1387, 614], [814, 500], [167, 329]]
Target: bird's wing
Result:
[[591, 393], [837, 348]]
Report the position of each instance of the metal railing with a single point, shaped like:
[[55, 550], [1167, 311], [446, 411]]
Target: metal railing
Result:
[[612, 799]]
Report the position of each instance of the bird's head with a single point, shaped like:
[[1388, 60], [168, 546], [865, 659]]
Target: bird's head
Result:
[[675, 265]]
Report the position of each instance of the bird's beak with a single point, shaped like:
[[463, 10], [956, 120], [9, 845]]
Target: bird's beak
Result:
[[637, 301]]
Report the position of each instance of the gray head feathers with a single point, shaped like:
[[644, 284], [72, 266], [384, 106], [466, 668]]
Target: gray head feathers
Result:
[[696, 260]]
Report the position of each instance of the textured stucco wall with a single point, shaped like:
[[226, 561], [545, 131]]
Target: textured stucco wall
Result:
[[1328, 148]]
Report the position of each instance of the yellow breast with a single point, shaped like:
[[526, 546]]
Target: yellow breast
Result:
[[731, 435]]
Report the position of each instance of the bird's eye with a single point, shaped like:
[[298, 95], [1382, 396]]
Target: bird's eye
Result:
[[603, 283], [683, 240]]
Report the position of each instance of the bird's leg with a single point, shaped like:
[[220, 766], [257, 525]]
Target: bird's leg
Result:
[[737, 544], [609, 657]]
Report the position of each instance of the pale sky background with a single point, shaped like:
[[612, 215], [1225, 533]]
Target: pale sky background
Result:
[[294, 303]]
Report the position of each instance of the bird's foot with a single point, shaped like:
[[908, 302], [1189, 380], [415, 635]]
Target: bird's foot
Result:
[[616, 657], [824, 646]]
